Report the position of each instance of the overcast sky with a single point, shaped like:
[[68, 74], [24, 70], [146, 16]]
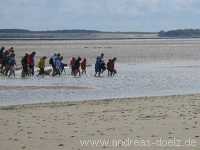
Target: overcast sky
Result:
[[106, 15]]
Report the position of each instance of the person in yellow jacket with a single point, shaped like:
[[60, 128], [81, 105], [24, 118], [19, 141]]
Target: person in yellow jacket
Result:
[[41, 65]]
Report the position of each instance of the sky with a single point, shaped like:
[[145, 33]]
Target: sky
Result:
[[104, 15]]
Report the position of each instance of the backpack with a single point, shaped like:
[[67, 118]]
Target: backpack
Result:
[[11, 61], [51, 61]]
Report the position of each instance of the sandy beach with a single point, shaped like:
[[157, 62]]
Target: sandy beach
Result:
[[153, 68], [149, 122]]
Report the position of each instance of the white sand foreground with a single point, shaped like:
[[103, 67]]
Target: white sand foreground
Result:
[[171, 122]]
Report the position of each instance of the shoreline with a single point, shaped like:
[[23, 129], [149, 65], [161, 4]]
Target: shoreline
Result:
[[109, 100]]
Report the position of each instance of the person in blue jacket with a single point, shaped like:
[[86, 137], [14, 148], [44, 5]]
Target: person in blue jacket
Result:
[[99, 65]]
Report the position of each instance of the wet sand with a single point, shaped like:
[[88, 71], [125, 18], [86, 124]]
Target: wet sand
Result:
[[127, 51], [57, 126]]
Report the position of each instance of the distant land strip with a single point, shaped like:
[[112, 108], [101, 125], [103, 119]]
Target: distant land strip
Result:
[[22, 34]]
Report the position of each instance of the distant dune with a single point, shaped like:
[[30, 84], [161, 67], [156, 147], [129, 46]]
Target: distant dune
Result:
[[78, 34], [181, 33], [72, 34]]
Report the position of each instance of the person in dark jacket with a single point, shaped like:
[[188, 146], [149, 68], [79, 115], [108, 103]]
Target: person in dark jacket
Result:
[[5, 63], [83, 66], [24, 64], [1, 58], [99, 65], [12, 64], [1, 52], [76, 67], [52, 62], [72, 62], [111, 67]]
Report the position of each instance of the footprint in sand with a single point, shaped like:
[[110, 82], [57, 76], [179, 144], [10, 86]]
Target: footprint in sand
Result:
[[18, 122], [10, 139], [42, 138], [61, 145], [110, 129], [29, 132], [130, 130], [75, 131], [16, 140], [72, 136], [153, 136], [170, 133]]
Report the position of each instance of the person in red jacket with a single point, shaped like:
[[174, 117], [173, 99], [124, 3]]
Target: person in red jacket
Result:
[[31, 63], [111, 67], [72, 63], [84, 65]]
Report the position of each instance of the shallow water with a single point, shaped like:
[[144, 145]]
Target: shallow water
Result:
[[131, 81]]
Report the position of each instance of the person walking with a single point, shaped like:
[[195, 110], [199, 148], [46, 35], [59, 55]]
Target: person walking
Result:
[[41, 65]]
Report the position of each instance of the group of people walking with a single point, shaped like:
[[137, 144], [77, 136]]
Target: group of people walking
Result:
[[77, 65], [7, 61], [28, 64], [100, 66]]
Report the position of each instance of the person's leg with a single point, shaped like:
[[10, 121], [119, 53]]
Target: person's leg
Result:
[[40, 71], [112, 73], [95, 74], [53, 73], [99, 70], [74, 71], [23, 73], [2, 66], [14, 71], [29, 70], [108, 73], [32, 70], [7, 70], [99, 73], [79, 72], [84, 71], [26, 70], [11, 71]]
